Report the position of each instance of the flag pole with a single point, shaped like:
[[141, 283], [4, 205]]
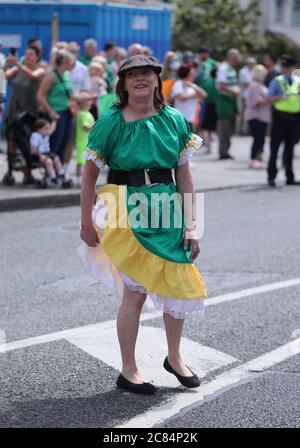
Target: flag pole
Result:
[[54, 28]]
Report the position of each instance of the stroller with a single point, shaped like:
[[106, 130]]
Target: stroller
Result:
[[19, 157]]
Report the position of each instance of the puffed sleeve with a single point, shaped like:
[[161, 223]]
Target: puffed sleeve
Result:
[[102, 138], [189, 142]]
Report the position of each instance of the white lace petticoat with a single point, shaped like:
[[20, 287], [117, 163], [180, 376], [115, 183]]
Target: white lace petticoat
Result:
[[105, 272]]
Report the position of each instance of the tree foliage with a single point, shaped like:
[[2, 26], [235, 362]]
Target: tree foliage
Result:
[[278, 45], [217, 23]]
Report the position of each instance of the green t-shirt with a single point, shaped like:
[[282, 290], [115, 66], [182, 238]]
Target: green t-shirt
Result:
[[57, 97], [85, 59], [83, 119], [205, 81], [110, 78], [226, 104]]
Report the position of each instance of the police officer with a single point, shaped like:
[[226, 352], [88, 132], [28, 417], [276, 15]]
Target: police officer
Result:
[[286, 119]]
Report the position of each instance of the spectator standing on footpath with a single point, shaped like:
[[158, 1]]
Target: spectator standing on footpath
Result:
[[36, 42], [206, 80], [286, 119], [110, 51], [245, 78], [169, 74], [186, 94], [257, 113], [121, 55], [135, 50], [269, 62], [90, 51], [226, 103], [79, 74], [110, 74], [54, 96], [23, 109], [84, 123]]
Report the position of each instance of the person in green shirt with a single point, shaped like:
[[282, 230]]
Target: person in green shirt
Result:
[[35, 42], [90, 51], [54, 97], [226, 103], [84, 123], [206, 80]]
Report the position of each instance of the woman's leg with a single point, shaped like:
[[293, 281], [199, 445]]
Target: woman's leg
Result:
[[262, 137], [254, 129], [61, 135], [11, 150], [57, 135], [173, 332], [67, 130], [127, 327]]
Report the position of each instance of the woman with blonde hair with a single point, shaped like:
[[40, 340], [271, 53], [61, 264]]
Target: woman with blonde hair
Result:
[[257, 113], [55, 97], [168, 74]]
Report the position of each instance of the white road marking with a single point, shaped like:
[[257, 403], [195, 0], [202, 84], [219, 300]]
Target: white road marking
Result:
[[64, 334], [252, 291], [222, 383], [151, 350]]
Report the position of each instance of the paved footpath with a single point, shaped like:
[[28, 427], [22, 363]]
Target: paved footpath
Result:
[[209, 174]]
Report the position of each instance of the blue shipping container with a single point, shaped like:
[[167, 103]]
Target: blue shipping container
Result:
[[123, 24]]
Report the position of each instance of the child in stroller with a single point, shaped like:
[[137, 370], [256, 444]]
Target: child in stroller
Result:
[[41, 152], [33, 152]]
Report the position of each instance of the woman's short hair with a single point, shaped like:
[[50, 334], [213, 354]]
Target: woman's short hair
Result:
[[259, 73], [122, 94], [89, 42], [35, 49], [184, 71], [59, 55]]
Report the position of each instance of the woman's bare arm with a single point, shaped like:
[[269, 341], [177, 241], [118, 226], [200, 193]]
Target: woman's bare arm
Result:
[[34, 75], [90, 174], [185, 185], [43, 90]]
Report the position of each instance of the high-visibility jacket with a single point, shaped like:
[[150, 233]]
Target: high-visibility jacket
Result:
[[291, 103]]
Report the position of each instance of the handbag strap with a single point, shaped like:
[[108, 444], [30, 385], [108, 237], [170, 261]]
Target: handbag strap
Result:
[[63, 84]]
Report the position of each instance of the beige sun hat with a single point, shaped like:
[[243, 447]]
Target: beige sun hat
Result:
[[139, 61]]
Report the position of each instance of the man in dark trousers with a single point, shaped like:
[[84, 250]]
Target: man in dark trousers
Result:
[[286, 119]]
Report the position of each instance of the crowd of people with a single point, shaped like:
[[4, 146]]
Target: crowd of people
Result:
[[71, 90]]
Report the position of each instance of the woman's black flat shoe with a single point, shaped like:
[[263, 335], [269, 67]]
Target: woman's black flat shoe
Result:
[[187, 381], [143, 388]]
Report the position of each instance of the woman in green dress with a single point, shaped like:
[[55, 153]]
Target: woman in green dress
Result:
[[142, 140]]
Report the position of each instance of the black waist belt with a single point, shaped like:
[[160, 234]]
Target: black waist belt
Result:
[[137, 178]]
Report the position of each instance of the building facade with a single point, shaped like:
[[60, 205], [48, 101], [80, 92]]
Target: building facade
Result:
[[281, 17]]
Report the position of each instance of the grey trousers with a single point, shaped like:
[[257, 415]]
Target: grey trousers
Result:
[[226, 129]]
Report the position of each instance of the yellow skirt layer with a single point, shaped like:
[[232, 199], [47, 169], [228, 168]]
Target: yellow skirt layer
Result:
[[159, 276]]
